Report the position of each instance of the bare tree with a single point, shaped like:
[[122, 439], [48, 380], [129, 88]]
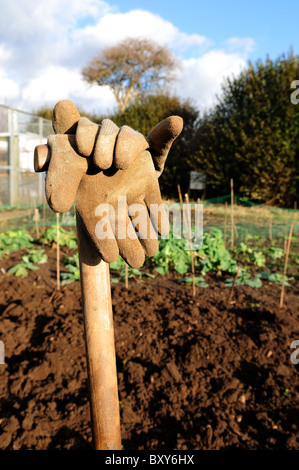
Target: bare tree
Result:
[[131, 67]]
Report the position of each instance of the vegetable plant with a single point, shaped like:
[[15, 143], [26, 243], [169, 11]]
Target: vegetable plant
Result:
[[28, 263], [276, 278], [213, 256], [276, 252], [66, 237], [257, 258], [244, 279], [73, 273], [14, 240], [199, 281], [119, 265]]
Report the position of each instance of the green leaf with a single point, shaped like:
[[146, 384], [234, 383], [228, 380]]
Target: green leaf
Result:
[[276, 278], [256, 283], [244, 279], [276, 252], [66, 237], [18, 270], [181, 267], [199, 281], [161, 270], [258, 258], [117, 264]]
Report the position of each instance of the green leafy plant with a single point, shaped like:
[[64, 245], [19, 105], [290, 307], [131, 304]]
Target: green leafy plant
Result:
[[66, 237], [14, 240], [36, 255], [199, 281], [73, 273], [243, 248], [245, 279], [276, 278], [28, 263], [276, 252], [119, 265], [21, 269], [213, 256], [287, 392], [172, 256], [257, 258]]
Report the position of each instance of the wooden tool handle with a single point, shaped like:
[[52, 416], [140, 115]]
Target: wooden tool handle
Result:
[[100, 346], [42, 156]]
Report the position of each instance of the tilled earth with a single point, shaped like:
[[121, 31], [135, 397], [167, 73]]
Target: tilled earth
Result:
[[193, 373]]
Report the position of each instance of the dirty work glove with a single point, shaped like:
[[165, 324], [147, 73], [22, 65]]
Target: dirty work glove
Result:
[[111, 174]]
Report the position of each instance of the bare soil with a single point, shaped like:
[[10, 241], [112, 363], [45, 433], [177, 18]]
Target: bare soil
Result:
[[193, 373]]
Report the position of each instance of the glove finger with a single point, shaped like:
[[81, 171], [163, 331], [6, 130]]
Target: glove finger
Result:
[[86, 134], [161, 138], [129, 145], [64, 174], [99, 228], [105, 144], [141, 222], [132, 252], [65, 117], [130, 248], [158, 215]]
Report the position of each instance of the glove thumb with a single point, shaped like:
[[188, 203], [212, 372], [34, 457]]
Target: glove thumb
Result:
[[160, 140]]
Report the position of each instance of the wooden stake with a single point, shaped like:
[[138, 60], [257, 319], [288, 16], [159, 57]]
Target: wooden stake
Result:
[[225, 223], [126, 276], [197, 227], [100, 346], [232, 211], [36, 220], [270, 228], [286, 265], [57, 253], [233, 286], [180, 194], [191, 250], [44, 214]]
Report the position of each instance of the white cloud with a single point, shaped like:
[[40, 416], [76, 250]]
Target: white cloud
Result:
[[45, 45], [9, 89], [56, 83], [201, 78], [112, 28], [39, 32], [21, 18]]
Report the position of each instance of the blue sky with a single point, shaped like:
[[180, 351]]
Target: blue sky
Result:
[[44, 45], [271, 23]]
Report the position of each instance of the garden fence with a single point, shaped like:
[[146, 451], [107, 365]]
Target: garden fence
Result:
[[20, 132]]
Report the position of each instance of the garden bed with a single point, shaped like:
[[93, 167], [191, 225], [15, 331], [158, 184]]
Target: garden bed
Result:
[[193, 373]]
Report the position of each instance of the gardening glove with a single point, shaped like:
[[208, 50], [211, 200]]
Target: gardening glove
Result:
[[111, 175]]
